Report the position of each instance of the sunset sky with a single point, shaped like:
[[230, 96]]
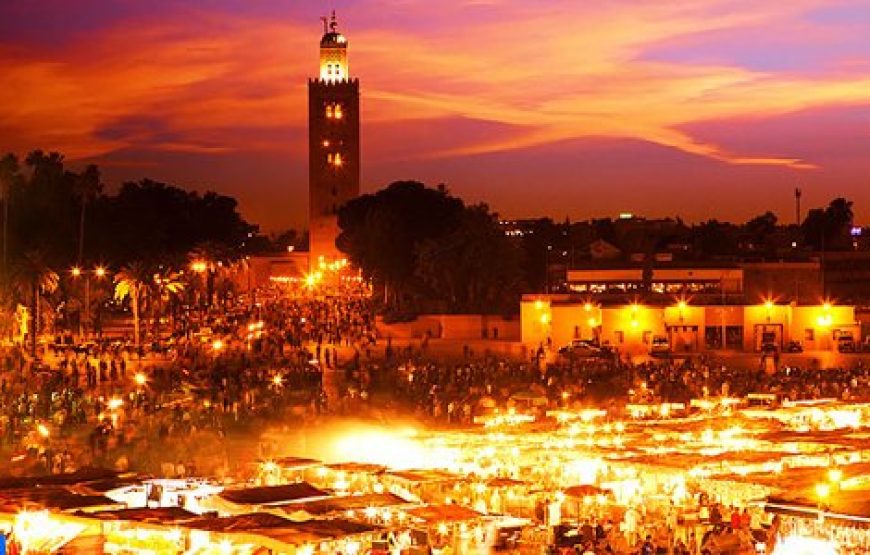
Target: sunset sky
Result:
[[579, 108]]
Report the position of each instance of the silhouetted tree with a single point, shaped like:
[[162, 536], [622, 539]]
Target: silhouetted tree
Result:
[[380, 232], [828, 228], [32, 278], [473, 268], [87, 186]]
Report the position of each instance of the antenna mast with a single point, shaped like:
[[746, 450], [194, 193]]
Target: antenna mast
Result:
[[797, 206]]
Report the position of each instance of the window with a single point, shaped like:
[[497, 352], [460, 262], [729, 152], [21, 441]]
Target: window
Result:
[[334, 111], [809, 334], [619, 337]]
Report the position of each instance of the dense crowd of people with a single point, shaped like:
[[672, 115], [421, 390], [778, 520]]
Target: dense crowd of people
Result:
[[292, 358], [266, 360], [239, 365]]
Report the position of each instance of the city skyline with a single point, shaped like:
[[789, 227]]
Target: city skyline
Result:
[[660, 109]]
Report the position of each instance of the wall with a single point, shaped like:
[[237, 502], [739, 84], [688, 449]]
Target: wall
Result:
[[794, 281], [261, 269], [631, 328], [816, 327], [764, 318], [453, 327], [415, 329]]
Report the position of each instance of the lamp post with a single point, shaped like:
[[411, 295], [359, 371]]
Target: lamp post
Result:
[[77, 272], [547, 269]]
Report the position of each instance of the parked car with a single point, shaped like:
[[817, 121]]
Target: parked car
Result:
[[794, 347], [660, 345], [846, 343], [581, 348]]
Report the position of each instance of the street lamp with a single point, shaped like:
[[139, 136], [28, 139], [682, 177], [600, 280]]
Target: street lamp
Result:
[[77, 272], [681, 308], [823, 491], [547, 270]]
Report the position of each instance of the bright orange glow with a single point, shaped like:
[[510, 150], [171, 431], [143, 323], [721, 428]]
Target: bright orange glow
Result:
[[592, 322], [199, 266], [835, 475], [100, 271], [682, 305], [76, 271], [545, 319], [217, 345], [140, 379], [823, 490], [768, 305]]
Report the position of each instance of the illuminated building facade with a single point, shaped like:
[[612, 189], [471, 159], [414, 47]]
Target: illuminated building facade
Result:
[[557, 320], [333, 144]]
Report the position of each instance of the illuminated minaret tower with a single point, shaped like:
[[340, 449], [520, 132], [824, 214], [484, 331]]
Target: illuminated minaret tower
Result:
[[333, 143]]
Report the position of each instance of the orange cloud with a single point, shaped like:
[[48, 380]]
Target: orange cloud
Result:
[[552, 73]]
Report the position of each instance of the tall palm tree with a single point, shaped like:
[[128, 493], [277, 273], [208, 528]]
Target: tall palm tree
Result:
[[168, 285], [9, 175], [87, 187], [33, 277], [131, 283]]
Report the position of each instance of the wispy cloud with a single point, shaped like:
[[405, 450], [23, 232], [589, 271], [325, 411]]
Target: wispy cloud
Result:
[[549, 71]]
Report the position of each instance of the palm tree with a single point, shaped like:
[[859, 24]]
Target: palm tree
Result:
[[168, 285], [87, 187], [131, 283], [9, 174], [33, 277], [206, 257]]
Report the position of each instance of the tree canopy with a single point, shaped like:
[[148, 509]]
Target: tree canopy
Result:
[[144, 220], [418, 243]]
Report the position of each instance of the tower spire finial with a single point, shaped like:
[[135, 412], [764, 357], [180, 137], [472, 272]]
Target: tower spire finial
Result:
[[333, 24], [325, 21]]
